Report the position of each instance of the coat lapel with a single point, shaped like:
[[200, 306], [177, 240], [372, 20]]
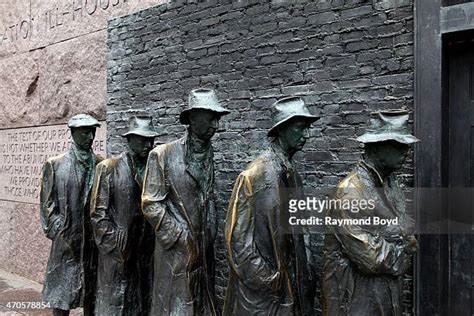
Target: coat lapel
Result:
[[204, 183]]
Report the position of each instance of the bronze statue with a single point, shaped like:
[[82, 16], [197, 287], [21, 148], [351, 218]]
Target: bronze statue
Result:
[[124, 239], [364, 264], [268, 265], [64, 209], [178, 201]]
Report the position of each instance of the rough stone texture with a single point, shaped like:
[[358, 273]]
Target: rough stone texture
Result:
[[30, 24], [25, 250], [49, 85], [73, 78], [6, 231], [53, 81], [345, 58], [20, 96], [12, 14], [31, 248]]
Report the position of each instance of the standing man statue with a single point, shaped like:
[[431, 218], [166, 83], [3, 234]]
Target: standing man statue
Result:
[[124, 239], [268, 265], [64, 210], [365, 264], [178, 202]]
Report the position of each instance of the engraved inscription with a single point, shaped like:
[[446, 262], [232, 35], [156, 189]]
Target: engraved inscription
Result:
[[23, 152], [38, 24]]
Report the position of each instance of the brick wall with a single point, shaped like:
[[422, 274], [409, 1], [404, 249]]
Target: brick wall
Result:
[[345, 58]]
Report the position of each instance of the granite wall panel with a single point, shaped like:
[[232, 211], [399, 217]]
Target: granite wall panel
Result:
[[20, 96], [25, 250], [26, 25], [73, 78]]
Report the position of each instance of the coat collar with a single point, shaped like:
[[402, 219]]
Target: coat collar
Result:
[[88, 161], [281, 157], [387, 188], [190, 164], [86, 158], [372, 171], [136, 173]]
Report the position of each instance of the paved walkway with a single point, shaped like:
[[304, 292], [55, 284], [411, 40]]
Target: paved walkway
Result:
[[20, 296]]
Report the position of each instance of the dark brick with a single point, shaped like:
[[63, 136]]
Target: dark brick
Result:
[[357, 12], [296, 90], [361, 45], [321, 18], [193, 45], [273, 59], [393, 79], [318, 156]]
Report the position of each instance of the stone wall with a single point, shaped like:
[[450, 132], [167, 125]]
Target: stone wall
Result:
[[52, 66], [345, 58]]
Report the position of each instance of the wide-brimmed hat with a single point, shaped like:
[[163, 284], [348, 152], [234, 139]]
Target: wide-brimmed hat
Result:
[[286, 109], [388, 125], [141, 126], [83, 120], [204, 99]]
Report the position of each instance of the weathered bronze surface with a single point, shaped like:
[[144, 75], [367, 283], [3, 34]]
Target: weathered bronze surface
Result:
[[124, 239], [364, 264], [178, 201], [268, 264], [64, 210]]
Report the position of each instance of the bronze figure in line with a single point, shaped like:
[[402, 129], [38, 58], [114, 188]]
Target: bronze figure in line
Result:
[[364, 264], [64, 209], [178, 201], [124, 239], [268, 265]]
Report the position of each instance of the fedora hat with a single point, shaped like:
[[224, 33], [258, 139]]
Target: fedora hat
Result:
[[388, 125], [83, 120], [204, 99], [286, 109], [141, 126]]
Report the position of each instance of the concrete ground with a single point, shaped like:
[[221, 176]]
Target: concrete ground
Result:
[[20, 296]]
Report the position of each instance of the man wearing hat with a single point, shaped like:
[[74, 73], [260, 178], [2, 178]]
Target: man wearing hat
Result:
[[268, 264], [64, 211], [124, 239], [365, 263], [178, 201]]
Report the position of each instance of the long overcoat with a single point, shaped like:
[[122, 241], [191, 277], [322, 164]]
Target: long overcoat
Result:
[[121, 235], [268, 265], [178, 203], [364, 264], [64, 212]]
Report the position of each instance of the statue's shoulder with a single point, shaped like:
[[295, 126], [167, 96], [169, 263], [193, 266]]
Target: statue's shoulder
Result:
[[259, 167], [349, 181], [99, 158], [164, 149], [110, 163], [351, 185], [56, 159]]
